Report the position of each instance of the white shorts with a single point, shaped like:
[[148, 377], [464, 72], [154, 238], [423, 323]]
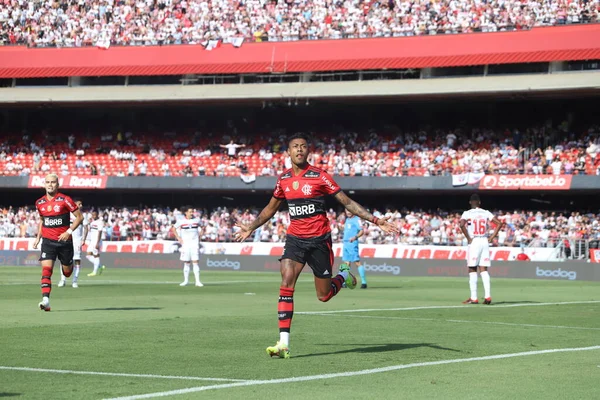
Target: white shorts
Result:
[[77, 249], [189, 253], [92, 249], [478, 253]]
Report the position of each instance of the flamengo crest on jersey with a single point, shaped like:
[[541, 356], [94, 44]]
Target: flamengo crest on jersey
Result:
[[305, 195], [478, 221], [188, 230]]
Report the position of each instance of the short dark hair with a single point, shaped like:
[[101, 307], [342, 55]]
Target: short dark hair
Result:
[[475, 197], [185, 208], [298, 135], [76, 199]]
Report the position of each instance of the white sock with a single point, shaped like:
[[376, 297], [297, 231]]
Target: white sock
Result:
[[284, 338], [197, 272], [485, 278], [62, 276], [96, 263], [473, 285], [186, 271], [75, 273], [90, 258]]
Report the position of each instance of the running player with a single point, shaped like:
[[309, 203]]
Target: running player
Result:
[[54, 209], [353, 230], [474, 224], [188, 237], [96, 228], [79, 235], [308, 239]]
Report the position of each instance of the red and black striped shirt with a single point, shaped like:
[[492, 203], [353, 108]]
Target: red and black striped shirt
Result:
[[55, 214], [305, 194]]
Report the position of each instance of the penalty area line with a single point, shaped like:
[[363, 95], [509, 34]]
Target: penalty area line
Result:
[[64, 371], [350, 373]]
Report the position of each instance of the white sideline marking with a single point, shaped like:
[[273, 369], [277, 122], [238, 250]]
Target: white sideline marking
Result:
[[63, 371], [466, 321], [349, 374], [445, 307]]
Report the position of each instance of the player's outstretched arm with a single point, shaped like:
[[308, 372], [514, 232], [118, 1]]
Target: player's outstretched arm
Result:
[[360, 211], [265, 215]]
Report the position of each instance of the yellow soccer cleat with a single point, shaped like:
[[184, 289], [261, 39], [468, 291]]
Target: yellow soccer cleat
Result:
[[279, 350]]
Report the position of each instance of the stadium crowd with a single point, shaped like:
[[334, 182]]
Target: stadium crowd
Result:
[[522, 228], [158, 22], [373, 152]]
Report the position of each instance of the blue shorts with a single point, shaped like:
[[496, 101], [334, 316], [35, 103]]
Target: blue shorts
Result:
[[350, 253]]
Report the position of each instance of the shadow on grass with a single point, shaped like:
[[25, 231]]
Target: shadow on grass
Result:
[[2, 394], [113, 309], [123, 309], [378, 348], [514, 302]]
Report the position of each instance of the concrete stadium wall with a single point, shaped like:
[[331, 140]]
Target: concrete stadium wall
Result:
[[567, 270]]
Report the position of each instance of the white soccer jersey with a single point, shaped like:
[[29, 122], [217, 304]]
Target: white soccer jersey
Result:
[[188, 230], [478, 221], [95, 231], [77, 234]]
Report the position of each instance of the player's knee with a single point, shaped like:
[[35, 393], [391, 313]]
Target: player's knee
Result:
[[324, 298], [67, 270]]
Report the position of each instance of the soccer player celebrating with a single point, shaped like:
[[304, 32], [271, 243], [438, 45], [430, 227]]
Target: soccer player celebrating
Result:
[[79, 235], [96, 228], [54, 209], [190, 249], [474, 224], [352, 232], [308, 239]]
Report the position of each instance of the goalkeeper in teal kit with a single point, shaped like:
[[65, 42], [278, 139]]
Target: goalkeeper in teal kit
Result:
[[353, 230]]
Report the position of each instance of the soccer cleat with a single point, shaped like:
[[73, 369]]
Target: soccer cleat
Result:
[[62, 283], [45, 304], [75, 285], [183, 284], [351, 279], [279, 350], [363, 286], [199, 284], [101, 269], [92, 274], [488, 300], [470, 301]]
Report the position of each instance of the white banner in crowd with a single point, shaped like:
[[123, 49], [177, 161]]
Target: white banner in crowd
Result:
[[470, 178], [400, 251]]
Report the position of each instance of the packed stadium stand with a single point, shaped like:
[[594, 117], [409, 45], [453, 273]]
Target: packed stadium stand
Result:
[[343, 153], [523, 228], [84, 23]]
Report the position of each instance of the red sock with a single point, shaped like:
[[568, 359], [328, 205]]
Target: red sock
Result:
[[67, 272], [285, 308], [336, 284], [46, 281]]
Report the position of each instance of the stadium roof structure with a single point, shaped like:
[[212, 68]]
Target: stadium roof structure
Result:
[[567, 43]]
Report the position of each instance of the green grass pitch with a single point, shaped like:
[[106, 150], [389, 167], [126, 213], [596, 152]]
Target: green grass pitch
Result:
[[129, 333]]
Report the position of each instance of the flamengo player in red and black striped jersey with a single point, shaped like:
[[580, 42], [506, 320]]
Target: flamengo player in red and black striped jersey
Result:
[[55, 211], [308, 239]]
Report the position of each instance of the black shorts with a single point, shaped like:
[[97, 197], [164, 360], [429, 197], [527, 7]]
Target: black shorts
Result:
[[316, 252], [52, 249]]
